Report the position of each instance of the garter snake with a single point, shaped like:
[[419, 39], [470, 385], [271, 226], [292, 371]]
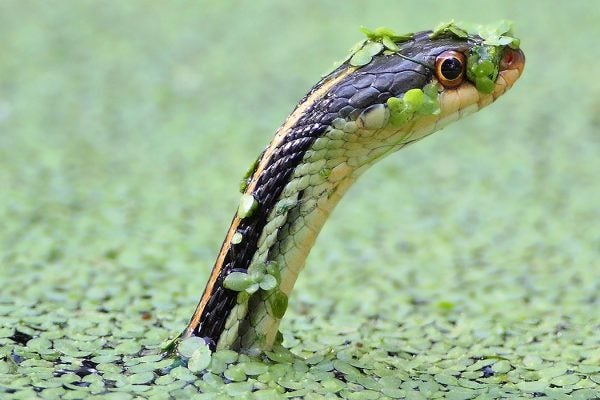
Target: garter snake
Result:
[[392, 92]]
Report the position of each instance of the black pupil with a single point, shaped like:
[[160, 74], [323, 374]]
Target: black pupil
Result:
[[451, 68]]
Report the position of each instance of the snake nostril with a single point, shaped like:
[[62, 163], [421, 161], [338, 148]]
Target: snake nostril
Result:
[[511, 59]]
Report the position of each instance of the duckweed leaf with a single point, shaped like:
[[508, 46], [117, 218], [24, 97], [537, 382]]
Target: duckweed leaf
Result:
[[247, 206], [449, 28], [100, 272], [141, 378], [372, 48], [237, 281], [189, 345], [279, 303], [268, 282], [200, 359], [389, 44], [360, 58]]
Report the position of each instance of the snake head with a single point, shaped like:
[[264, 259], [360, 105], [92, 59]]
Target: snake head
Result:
[[415, 84]]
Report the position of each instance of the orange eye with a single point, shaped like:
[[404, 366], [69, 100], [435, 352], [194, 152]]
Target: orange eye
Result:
[[450, 68]]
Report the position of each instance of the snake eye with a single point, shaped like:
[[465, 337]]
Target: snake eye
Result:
[[450, 68]]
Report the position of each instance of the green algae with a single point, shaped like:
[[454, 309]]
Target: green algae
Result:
[[247, 206], [483, 66], [413, 102], [248, 175], [365, 54], [265, 276], [113, 207], [497, 34]]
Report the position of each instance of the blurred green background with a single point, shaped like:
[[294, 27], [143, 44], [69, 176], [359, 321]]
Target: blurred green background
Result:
[[126, 126]]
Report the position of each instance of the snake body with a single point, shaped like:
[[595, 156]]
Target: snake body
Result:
[[350, 119]]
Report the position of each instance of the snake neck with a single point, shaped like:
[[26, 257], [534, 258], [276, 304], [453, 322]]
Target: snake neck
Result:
[[328, 168], [286, 242]]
